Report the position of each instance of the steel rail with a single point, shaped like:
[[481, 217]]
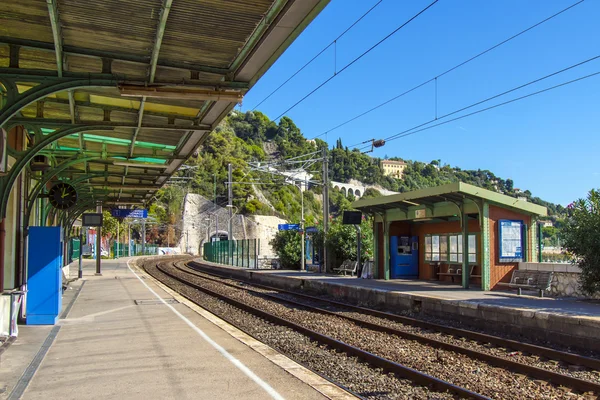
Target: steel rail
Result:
[[546, 352], [380, 362], [513, 366]]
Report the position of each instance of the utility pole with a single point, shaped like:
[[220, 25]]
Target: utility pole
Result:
[[358, 250], [143, 237], [325, 207], [98, 242], [230, 206], [80, 270], [129, 239], [215, 208], [118, 242], [302, 234]]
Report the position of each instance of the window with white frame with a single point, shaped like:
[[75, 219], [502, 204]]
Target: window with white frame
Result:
[[449, 248]]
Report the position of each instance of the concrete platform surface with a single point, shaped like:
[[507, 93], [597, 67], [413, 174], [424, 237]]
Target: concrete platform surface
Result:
[[446, 291], [110, 347]]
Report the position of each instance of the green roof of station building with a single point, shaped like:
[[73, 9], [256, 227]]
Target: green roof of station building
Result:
[[455, 192]]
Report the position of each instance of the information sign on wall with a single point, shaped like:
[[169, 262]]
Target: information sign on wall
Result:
[[510, 238]]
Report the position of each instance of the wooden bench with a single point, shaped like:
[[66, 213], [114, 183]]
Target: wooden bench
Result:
[[533, 280], [347, 266], [455, 270]]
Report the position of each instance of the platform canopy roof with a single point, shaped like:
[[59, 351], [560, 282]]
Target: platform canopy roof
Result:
[[456, 192], [119, 93]]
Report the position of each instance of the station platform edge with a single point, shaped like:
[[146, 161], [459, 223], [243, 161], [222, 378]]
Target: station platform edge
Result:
[[106, 345], [570, 323]]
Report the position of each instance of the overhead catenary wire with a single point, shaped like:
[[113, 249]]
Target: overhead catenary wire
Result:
[[449, 70], [487, 99], [356, 59], [333, 43], [412, 130]]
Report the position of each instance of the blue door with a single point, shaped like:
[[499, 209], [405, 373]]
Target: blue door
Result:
[[404, 257]]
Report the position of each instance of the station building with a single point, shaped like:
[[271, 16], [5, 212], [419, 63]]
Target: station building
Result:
[[452, 233]]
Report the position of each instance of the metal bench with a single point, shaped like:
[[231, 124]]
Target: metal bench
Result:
[[347, 266], [533, 280], [455, 270]]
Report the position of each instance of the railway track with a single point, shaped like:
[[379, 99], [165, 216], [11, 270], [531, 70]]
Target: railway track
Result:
[[514, 366], [527, 348], [586, 388], [376, 361]]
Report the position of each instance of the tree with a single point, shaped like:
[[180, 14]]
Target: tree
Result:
[[341, 241], [509, 185], [549, 231], [581, 235], [287, 246]]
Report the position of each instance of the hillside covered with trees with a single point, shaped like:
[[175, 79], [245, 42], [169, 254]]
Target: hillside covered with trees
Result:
[[242, 138]]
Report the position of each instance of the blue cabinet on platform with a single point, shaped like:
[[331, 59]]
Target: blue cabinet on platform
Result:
[[44, 274], [404, 257]]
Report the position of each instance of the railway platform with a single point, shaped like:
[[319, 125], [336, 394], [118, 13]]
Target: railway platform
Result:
[[566, 322], [123, 335]]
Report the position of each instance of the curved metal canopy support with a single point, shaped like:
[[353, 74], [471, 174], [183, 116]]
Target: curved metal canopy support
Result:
[[47, 177], [49, 85], [7, 182]]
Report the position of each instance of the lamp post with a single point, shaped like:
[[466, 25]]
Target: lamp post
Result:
[[302, 237], [230, 230]]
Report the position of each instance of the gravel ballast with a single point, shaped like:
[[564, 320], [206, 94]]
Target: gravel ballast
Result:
[[455, 368], [349, 372]]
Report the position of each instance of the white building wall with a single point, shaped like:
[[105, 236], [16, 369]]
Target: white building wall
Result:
[[196, 229]]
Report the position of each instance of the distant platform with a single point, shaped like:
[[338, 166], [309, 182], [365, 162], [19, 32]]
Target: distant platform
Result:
[[116, 338], [567, 322]]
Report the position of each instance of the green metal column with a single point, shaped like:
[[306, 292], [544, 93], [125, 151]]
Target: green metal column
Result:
[[526, 244], [485, 246], [465, 247], [375, 247], [386, 249], [540, 239]]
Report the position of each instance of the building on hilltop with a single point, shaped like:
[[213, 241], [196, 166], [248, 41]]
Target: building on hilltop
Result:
[[393, 168]]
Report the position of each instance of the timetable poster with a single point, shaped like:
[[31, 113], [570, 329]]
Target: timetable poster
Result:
[[511, 243]]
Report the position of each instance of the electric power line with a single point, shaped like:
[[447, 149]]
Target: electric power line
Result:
[[411, 131], [356, 59], [497, 95], [449, 70], [317, 55]]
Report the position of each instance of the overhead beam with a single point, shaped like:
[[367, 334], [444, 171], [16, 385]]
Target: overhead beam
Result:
[[181, 94], [56, 34], [74, 50], [79, 103], [52, 123], [139, 126], [160, 31], [36, 75]]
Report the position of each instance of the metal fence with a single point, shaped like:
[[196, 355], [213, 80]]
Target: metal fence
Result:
[[241, 253], [122, 250]]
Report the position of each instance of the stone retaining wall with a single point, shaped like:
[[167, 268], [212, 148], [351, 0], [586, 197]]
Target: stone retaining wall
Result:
[[565, 282]]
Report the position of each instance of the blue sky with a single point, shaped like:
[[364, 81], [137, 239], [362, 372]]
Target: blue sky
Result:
[[548, 143]]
